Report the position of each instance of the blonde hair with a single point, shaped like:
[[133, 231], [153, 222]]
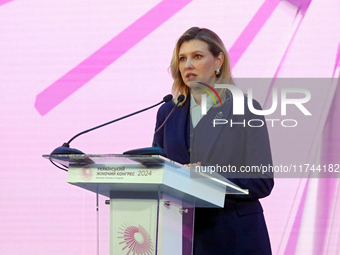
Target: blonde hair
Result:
[[215, 46]]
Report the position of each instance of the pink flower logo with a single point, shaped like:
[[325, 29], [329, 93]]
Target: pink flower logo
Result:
[[86, 174], [136, 240]]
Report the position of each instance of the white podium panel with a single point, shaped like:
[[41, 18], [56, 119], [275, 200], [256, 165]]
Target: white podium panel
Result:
[[133, 226]]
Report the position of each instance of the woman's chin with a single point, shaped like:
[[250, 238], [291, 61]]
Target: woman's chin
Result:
[[192, 82]]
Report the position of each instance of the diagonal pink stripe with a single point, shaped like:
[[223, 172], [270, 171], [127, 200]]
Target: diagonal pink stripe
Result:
[[5, 1], [330, 154], [271, 86], [294, 234], [301, 5], [325, 196], [106, 55], [284, 55], [283, 59], [252, 29], [337, 61]]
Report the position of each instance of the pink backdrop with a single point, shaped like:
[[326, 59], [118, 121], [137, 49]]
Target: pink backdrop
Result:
[[66, 66]]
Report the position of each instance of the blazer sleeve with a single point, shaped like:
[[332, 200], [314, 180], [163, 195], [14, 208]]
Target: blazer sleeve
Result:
[[163, 111], [257, 154]]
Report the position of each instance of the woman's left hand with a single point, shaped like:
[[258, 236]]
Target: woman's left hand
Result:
[[194, 164]]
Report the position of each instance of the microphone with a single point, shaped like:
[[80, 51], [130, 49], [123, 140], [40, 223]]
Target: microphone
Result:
[[179, 100], [65, 148], [155, 150]]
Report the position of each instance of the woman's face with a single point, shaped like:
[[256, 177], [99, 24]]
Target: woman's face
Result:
[[196, 61]]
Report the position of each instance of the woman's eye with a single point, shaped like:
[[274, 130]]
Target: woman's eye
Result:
[[198, 56], [181, 58]]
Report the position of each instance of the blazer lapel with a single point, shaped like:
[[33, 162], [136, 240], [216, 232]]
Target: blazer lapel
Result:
[[178, 127], [206, 134]]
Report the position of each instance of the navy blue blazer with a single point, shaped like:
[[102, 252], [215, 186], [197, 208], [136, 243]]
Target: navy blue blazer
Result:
[[238, 228]]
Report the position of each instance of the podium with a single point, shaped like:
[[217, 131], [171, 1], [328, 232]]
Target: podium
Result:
[[152, 198]]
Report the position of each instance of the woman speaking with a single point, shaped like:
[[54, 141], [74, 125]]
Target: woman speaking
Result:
[[189, 137]]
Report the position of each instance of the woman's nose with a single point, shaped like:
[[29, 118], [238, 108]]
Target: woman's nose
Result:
[[188, 64]]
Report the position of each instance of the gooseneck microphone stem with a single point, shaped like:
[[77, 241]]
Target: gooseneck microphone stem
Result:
[[179, 100], [89, 130], [65, 148]]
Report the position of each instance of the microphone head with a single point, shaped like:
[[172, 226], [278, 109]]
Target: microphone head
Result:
[[180, 98], [167, 98], [64, 150]]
